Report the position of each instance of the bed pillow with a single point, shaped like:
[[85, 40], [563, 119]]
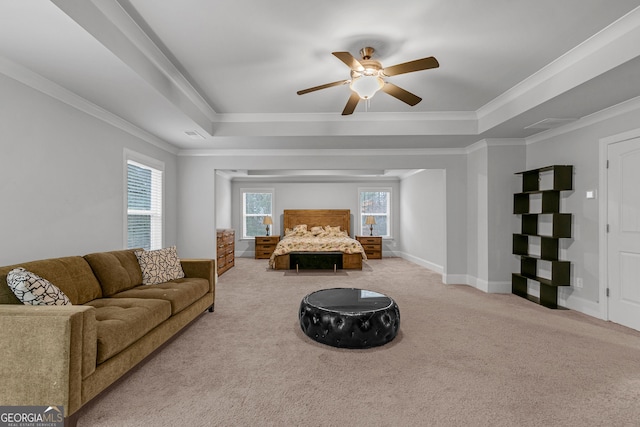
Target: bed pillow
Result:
[[159, 266], [317, 230], [32, 289], [299, 230], [330, 231]]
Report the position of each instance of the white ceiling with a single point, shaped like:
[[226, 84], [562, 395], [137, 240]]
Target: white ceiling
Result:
[[230, 69]]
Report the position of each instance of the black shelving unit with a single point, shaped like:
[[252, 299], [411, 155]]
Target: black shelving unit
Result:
[[549, 247]]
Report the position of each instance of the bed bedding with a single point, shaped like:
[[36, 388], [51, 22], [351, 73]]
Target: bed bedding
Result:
[[316, 239]]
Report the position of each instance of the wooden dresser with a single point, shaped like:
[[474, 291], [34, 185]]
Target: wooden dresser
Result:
[[226, 239], [372, 246], [265, 245]]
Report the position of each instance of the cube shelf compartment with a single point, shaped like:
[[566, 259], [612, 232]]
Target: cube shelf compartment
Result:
[[530, 228]]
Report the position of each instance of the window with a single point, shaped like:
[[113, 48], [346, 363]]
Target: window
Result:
[[375, 202], [256, 204], [144, 203]]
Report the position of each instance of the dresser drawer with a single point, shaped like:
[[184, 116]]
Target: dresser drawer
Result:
[[369, 240], [267, 240], [374, 254], [368, 248]]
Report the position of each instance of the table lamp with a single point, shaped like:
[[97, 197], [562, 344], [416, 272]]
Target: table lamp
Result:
[[267, 221], [370, 221]]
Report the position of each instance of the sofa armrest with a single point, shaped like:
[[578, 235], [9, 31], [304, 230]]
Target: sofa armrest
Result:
[[203, 268], [46, 353]]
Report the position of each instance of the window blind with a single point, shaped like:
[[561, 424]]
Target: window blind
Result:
[[144, 206]]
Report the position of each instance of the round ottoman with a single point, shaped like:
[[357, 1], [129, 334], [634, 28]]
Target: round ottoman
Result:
[[349, 317]]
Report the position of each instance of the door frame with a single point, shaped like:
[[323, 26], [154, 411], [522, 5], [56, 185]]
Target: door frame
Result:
[[603, 184]]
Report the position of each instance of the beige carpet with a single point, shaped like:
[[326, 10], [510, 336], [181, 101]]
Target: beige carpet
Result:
[[462, 357]]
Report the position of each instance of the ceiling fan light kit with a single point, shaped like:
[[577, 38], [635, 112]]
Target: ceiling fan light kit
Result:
[[366, 86], [367, 78]]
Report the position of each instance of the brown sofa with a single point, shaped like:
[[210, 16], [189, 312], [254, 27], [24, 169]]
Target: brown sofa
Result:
[[66, 355]]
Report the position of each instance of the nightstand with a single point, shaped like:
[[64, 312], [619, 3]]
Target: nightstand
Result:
[[372, 246], [265, 245]]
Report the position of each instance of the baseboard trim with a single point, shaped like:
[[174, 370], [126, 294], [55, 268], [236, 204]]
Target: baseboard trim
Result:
[[485, 285], [421, 262], [572, 302], [456, 279]]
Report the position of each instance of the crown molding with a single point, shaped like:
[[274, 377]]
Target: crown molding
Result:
[[323, 152], [41, 84], [625, 107], [356, 117], [494, 142]]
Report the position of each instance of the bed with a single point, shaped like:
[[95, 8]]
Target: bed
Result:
[[316, 230]]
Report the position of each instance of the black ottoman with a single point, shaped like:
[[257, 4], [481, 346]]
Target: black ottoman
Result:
[[349, 318]]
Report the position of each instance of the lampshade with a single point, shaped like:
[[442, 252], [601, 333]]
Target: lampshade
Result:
[[267, 220], [371, 220], [366, 86]]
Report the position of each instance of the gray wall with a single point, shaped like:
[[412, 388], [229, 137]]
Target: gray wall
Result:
[[423, 218], [491, 165], [197, 214], [477, 212], [62, 178], [223, 202], [503, 161]]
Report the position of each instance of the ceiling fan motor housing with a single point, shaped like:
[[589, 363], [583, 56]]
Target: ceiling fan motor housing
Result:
[[367, 52]]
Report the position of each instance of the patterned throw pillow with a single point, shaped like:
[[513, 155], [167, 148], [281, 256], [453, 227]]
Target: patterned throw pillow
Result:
[[32, 289], [159, 266]]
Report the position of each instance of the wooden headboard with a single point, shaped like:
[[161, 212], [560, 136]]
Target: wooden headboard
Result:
[[318, 217]]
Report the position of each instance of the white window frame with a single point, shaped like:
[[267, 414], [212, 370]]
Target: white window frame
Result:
[[364, 230], [158, 207], [243, 214]]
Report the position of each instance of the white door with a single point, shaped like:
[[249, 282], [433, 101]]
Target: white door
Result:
[[623, 239]]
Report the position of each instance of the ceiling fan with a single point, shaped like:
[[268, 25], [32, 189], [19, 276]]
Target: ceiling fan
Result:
[[367, 77]]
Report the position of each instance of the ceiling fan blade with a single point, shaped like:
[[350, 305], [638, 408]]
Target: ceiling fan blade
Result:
[[411, 66], [351, 104], [348, 59], [312, 89], [401, 94]]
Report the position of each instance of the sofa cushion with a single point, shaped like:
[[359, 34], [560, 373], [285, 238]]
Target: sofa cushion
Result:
[[159, 266], [72, 275], [116, 270], [181, 293], [32, 289], [123, 321]]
